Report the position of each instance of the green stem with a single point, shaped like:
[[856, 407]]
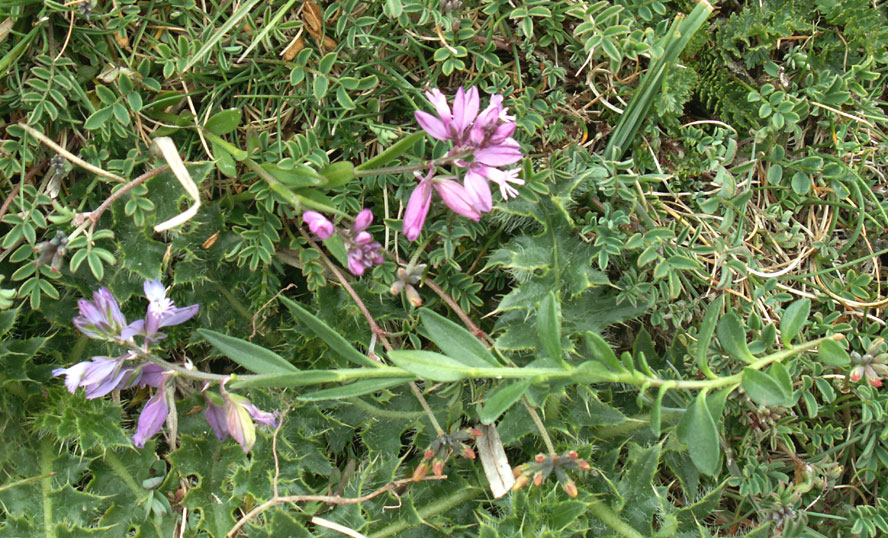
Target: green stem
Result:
[[385, 413], [603, 512], [46, 453], [443, 505]]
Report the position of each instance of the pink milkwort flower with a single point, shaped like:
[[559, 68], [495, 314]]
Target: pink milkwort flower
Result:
[[318, 224], [458, 198], [482, 141], [363, 251]]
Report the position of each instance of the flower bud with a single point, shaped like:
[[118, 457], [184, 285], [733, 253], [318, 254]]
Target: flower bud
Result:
[[421, 471], [318, 224], [363, 220]]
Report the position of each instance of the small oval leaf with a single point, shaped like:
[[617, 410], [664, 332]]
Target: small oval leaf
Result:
[[500, 401], [430, 365], [697, 430], [732, 336], [763, 389], [794, 317], [252, 357]]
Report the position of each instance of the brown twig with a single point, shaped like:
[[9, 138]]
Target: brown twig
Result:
[[460, 313], [96, 214], [326, 499], [17, 187]]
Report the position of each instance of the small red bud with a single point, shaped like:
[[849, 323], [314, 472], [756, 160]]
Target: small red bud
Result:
[[520, 482], [538, 479], [540, 458], [570, 488], [475, 432], [875, 382], [573, 455], [429, 454], [583, 465], [468, 453], [421, 471], [438, 467]]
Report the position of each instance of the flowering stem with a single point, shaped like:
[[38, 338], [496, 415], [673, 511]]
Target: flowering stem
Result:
[[540, 426], [180, 370], [422, 165], [460, 313], [380, 334]]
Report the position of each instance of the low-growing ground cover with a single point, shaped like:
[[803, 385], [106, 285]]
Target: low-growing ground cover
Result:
[[421, 268]]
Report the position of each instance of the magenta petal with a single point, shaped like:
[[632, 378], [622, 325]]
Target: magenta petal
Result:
[[502, 132], [417, 209], [356, 262], [151, 376], [152, 418], [500, 154], [363, 219], [432, 125], [439, 101], [457, 199], [478, 191]]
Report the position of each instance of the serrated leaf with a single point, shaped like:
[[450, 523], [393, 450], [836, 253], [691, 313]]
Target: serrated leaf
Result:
[[697, 430], [430, 365], [793, 319], [326, 333], [455, 341], [501, 400], [252, 357], [732, 337], [7, 320], [831, 352], [764, 389]]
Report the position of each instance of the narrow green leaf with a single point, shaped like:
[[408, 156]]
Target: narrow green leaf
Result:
[[704, 337], [226, 27], [601, 351], [353, 390], [297, 177], [234, 151], [656, 415], [781, 375], [832, 353], [97, 118], [794, 317], [548, 327], [501, 400], [455, 341], [252, 357], [338, 174], [224, 122], [764, 389], [326, 63], [697, 429], [336, 341], [430, 365], [392, 152], [95, 265], [732, 336]]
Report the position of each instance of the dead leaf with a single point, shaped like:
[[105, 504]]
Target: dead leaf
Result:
[[329, 43], [494, 461], [5, 27], [293, 48], [122, 40], [314, 20]]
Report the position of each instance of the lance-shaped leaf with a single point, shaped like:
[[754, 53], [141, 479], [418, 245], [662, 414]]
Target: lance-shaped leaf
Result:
[[358, 388], [326, 333], [501, 400], [704, 336], [732, 336], [764, 389], [832, 353], [455, 341], [252, 357], [697, 430], [548, 327], [430, 365], [793, 319]]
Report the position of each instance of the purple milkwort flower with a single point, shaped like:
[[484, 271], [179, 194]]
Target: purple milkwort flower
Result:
[[100, 318], [162, 312], [103, 375], [231, 414], [459, 199], [318, 224], [153, 415]]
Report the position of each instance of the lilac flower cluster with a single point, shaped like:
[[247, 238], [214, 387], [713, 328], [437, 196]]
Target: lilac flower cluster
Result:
[[482, 143], [101, 319], [363, 251]]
